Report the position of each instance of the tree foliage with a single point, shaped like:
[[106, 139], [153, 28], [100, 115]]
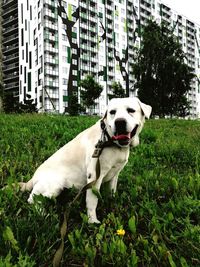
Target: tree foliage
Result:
[[11, 104], [74, 108], [117, 91], [91, 90], [162, 77]]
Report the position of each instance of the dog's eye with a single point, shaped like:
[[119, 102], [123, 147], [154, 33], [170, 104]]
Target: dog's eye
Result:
[[130, 110], [112, 112]]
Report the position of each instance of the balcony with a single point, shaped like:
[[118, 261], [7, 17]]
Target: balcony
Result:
[[51, 26], [12, 76], [10, 48], [51, 60], [12, 57], [10, 30], [11, 67], [51, 49], [82, 4], [8, 11], [10, 86], [50, 3], [7, 3], [51, 72], [12, 38], [50, 14], [9, 21]]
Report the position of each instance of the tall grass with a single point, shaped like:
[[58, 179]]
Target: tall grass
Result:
[[157, 201]]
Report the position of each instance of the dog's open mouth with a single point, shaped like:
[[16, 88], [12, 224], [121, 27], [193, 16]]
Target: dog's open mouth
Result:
[[124, 138]]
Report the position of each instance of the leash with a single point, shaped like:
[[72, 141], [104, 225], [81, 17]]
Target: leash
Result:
[[63, 230], [104, 141]]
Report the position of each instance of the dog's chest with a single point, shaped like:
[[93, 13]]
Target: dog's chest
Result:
[[113, 172], [114, 164]]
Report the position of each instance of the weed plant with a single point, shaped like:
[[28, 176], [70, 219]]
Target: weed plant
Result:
[[154, 219]]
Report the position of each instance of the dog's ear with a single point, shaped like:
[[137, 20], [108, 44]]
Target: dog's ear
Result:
[[146, 109], [105, 115]]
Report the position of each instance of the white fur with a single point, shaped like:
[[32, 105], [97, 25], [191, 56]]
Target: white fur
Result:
[[73, 165]]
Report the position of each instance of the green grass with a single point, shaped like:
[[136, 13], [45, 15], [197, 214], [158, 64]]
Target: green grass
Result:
[[157, 201]]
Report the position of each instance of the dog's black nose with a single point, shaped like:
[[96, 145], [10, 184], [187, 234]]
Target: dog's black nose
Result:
[[120, 125]]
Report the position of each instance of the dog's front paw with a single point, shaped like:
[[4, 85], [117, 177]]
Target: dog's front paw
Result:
[[93, 220]]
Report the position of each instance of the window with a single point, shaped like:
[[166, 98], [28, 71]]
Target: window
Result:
[[30, 60], [64, 59], [74, 61], [64, 37], [27, 52], [116, 26], [74, 72], [64, 82], [24, 74], [29, 81], [64, 70], [22, 37], [30, 12], [74, 83], [64, 48], [22, 12]]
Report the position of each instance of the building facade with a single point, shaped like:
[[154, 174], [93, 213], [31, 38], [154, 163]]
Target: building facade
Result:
[[49, 46]]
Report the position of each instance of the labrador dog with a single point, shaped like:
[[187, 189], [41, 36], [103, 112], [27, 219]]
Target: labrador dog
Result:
[[74, 165]]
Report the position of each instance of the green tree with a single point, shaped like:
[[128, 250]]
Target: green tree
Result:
[[11, 104], [162, 77], [117, 91], [75, 108], [28, 106], [90, 91]]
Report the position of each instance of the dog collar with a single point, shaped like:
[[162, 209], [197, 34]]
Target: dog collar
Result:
[[105, 141]]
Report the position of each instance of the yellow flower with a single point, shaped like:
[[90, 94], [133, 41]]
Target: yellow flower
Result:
[[121, 232]]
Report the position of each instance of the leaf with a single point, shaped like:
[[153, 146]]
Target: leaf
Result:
[[183, 262], [155, 239], [9, 236], [72, 241], [132, 225], [121, 246], [170, 216], [133, 259], [174, 183], [104, 247], [171, 262]]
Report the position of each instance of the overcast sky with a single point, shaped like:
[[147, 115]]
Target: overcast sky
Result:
[[188, 8]]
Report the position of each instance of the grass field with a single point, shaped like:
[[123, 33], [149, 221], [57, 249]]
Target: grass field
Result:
[[157, 201]]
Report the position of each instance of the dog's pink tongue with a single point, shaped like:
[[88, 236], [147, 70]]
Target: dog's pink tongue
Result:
[[121, 136]]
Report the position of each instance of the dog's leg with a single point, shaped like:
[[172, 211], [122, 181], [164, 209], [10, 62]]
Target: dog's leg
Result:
[[114, 180], [91, 204], [113, 184], [92, 199]]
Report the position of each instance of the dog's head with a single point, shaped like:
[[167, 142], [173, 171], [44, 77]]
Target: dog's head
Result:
[[124, 120]]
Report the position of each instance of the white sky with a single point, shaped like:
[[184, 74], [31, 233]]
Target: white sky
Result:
[[188, 8]]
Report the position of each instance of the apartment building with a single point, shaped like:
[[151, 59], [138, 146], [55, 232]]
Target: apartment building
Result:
[[49, 46], [10, 46]]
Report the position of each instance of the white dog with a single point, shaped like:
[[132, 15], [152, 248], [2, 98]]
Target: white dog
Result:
[[75, 163]]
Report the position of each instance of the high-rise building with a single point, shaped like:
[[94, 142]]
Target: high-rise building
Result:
[[49, 46], [10, 46]]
